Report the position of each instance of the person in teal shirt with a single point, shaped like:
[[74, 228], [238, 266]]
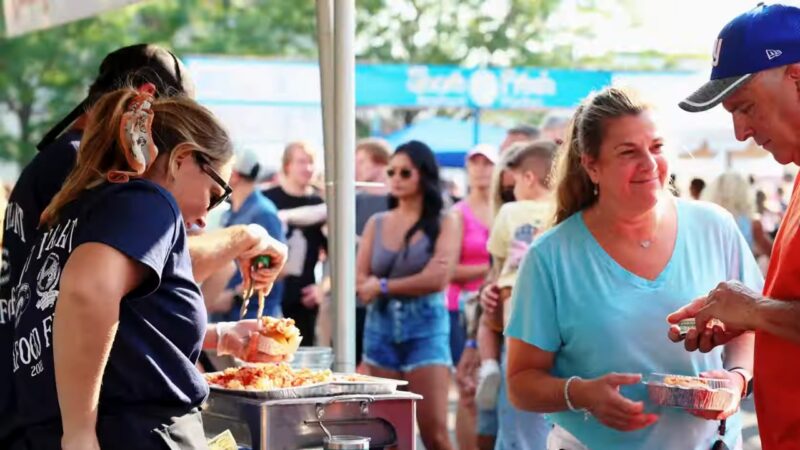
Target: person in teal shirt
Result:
[[589, 306]]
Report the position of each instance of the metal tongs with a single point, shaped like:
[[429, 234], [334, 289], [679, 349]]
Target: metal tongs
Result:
[[259, 262]]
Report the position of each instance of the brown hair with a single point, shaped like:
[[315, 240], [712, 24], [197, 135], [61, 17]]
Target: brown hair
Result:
[[574, 188], [536, 157], [378, 150], [290, 148], [495, 197], [177, 121]]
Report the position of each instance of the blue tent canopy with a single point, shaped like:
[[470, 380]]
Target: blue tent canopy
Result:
[[450, 139]]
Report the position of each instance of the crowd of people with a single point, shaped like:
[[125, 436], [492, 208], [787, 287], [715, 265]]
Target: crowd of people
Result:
[[544, 295]]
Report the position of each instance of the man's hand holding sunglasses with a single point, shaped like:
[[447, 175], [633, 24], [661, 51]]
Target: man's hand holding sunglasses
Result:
[[261, 243]]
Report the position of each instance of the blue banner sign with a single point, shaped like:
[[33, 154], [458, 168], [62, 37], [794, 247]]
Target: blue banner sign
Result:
[[493, 88], [225, 80]]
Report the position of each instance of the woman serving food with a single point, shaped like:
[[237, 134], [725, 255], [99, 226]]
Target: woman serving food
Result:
[[111, 322]]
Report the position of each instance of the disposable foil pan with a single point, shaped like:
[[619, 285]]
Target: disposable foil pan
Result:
[[697, 393], [340, 384], [350, 384], [311, 390]]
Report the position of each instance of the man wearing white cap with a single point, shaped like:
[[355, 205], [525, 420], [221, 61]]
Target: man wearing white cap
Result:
[[756, 77], [250, 206]]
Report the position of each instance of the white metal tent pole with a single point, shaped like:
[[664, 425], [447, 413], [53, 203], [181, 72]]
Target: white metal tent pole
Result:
[[344, 189], [326, 76], [337, 70]]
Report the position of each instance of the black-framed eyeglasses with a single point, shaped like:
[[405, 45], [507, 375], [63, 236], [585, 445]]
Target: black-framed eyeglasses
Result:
[[404, 173], [205, 166]]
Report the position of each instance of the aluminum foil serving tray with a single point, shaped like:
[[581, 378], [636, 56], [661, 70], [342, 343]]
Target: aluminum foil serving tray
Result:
[[340, 384]]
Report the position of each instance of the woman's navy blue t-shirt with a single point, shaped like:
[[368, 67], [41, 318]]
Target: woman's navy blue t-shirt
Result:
[[161, 323]]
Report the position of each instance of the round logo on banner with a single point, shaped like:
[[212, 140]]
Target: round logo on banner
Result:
[[483, 88]]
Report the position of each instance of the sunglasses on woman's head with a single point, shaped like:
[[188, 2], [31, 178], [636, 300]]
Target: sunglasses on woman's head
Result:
[[404, 173], [216, 199]]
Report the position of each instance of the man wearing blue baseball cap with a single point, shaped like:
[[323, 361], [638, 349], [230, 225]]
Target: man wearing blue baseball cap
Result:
[[756, 77]]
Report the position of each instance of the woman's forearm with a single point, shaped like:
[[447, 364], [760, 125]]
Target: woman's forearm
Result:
[[213, 250], [465, 272], [538, 391], [210, 339], [739, 352], [426, 282], [84, 327]]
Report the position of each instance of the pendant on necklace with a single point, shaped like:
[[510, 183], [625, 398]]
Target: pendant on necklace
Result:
[[645, 243]]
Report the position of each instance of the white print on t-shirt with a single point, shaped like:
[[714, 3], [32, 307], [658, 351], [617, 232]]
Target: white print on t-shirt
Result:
[[29, 344], [28, 349], [14, 216], [58, 237], [47, 282], [298, 246], [5, 268], [20, 299]]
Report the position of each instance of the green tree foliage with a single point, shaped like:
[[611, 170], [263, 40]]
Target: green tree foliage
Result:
[[44, 74]]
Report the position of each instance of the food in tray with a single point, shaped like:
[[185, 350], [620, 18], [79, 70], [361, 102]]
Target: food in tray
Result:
[[690, 392], [354, 378], [277, 337], [265, 377]]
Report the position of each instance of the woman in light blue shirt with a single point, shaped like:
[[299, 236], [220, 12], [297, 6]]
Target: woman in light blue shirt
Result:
[[589, 307]]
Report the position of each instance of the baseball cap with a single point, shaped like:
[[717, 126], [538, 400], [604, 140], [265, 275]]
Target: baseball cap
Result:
[[489, 151], [765, 37], [135, 65], [248, 165]]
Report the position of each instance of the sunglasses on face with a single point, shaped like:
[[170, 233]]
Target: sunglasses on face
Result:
[[216, 199], [404, 173]]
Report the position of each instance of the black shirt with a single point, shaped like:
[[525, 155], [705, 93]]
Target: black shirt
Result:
[[38, 183], [162, 322], [304, 244]]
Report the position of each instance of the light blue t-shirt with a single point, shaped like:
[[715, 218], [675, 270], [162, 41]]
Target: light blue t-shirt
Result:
[[573, 299]]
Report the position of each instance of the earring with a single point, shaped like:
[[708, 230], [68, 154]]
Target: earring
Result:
[[594, 189]]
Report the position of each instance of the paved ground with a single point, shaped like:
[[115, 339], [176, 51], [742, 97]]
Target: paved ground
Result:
[[749, 432]]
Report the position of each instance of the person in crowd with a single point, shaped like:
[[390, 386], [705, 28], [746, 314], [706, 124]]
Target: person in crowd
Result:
[[519, 133], [779, 192], [696, 187], [592, 292], [42, 178], [250, 206], [502, 192], [732, 191], [515, 227], [301, 295], [761, 95], [372, 159], [406, 258], [116, 317], [473, 215], [768, 216]]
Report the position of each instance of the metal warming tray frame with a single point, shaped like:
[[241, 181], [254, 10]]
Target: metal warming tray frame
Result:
[[389, 420]]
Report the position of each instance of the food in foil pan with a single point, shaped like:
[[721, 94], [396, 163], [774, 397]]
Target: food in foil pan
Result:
[[681, 391], [265, 377]]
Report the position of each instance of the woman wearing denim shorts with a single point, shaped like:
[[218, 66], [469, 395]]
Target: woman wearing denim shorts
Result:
[[405, 261]]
